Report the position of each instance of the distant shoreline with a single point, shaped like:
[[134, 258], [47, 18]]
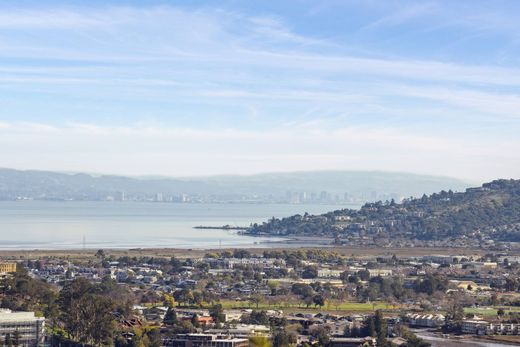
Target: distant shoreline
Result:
[[362, 252]]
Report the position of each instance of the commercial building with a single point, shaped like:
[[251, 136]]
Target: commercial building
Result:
[[6, 267], [30, 328], [380, 272], [329, 273], [242, 330], [206, 340], [352, 341]]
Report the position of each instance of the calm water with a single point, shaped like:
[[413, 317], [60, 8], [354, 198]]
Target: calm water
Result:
[[58, 225]]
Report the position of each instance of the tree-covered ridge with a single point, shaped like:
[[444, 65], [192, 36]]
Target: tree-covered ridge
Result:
[[489, 212]]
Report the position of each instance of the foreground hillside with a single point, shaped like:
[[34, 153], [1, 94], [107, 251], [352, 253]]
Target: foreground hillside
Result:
[[486, 214]]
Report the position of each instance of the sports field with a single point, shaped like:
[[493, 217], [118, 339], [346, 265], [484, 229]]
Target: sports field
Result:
[[346, 306]]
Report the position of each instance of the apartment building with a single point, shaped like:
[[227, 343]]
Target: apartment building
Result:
[[425, 320], [30, 328], [7, 267], [481, 327]]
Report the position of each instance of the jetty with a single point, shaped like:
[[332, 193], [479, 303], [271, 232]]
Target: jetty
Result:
[[223, 227]]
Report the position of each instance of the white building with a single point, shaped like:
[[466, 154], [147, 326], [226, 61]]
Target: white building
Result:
[[481, 327], [475, 327], [232, 315], [29, 327], [264, 262], [425, 320], [329, 273], [380, 272]]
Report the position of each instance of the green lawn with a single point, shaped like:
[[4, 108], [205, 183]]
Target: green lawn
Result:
[[345, 306], [490, 311]]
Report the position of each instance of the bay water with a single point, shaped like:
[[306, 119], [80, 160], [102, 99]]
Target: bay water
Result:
[[75, 225]]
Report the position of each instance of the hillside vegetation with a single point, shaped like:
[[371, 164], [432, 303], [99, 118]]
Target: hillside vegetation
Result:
[[490, 212]]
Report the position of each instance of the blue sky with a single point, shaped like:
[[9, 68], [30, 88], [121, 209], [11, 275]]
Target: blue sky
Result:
[[207, 87]]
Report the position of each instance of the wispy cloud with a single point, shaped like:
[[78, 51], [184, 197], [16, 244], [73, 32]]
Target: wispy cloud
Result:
[[148, 148], [56, 19], [404, 14], [223, 86]]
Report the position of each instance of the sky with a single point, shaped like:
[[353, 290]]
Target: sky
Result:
[[184, 88]]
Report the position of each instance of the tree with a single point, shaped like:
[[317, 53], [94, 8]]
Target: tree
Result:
[[493, 300], [322, 335], [310, 272], [175, 264], [353, 279], [258, 317], [154, 337], [100, 254], [98, 313], [454, 317], [255, 299], [137, 341], [308, 300], [273, 285], [217, 313], [281, 339], [170, 318], [169, 301], [364, 274], [259, 341], [371, 327], [87, 316], [511, 284], [381, 329], [412, 340], [318, 300], [184, 296], [302, 289], [198, 298], [501, 312], [72, 291], [195, 320]]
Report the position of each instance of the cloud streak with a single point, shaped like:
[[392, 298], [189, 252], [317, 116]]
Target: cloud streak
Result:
[[150, 148], [212, 90]]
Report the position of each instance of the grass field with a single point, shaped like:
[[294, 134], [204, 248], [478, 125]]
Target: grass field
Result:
[[343, 307], [490, 311], [362, 252]]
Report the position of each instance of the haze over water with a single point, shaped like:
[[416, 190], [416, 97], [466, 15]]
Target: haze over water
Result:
[[63, 225]]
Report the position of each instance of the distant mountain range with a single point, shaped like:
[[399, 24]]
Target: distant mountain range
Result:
[[295, 187]]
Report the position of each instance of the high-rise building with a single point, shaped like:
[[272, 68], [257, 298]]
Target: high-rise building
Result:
[[29, 328], [324, 196], [295, 198]]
